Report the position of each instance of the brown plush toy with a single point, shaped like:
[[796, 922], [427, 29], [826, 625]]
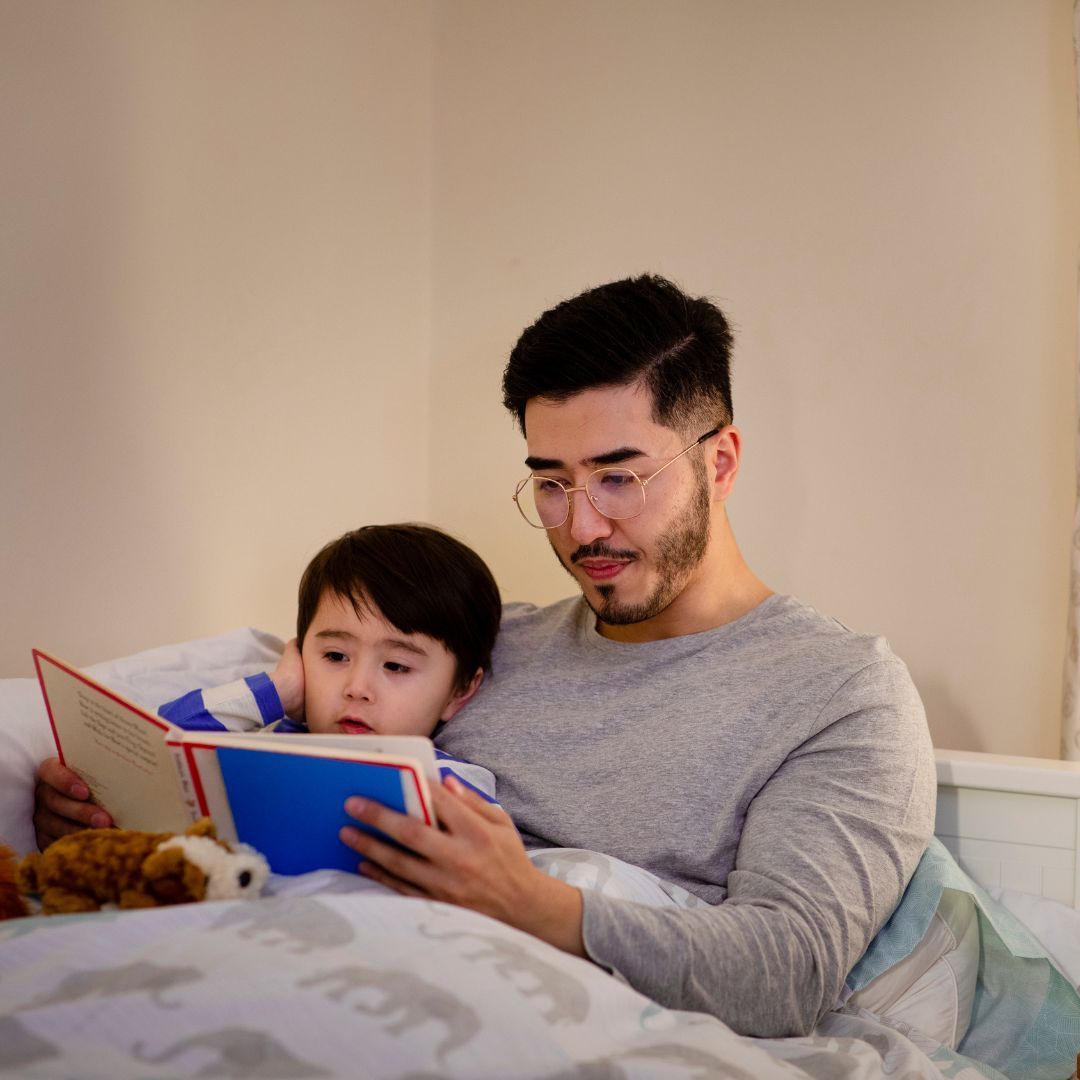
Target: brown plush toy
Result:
[[129, 869], [12, 905]]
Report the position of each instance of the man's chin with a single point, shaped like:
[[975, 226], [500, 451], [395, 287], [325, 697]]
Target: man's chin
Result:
[[612, 609], [613, 603], [618, 607]]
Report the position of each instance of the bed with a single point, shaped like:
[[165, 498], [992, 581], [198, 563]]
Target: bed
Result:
[[328, 975]]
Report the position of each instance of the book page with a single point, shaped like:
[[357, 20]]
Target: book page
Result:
[[202, 765], [116, 747]]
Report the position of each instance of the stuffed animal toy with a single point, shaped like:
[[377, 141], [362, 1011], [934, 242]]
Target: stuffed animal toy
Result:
[[129, 869], [12, 905]]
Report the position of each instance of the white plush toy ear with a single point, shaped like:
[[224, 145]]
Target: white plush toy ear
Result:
[[230, 875]]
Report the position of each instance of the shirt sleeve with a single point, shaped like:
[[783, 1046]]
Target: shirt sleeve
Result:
[[476, 777], [245, 705], [828, 846]]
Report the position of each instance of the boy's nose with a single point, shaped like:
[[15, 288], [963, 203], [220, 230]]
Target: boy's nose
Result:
[[358, 688]]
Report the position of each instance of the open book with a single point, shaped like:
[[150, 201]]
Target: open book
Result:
[[283, 794]]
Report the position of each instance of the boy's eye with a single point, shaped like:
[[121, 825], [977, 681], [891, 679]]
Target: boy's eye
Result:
[[334, 657], [393, 666]]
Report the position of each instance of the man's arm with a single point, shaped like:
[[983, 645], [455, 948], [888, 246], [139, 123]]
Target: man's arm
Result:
[[827, 848]]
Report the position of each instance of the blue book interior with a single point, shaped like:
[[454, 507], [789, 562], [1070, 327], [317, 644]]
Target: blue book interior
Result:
[[290, 806]]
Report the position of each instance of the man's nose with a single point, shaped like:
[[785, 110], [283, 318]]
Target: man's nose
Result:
[[586, 522]]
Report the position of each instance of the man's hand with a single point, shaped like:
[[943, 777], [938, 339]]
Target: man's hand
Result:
[[288, 680], [475, 860], [61, 804]]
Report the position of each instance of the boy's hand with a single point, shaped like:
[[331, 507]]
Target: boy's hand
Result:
[[288, 680], [62, 804]]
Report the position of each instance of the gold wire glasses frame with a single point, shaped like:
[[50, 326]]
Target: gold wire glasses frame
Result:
[[544, 502]]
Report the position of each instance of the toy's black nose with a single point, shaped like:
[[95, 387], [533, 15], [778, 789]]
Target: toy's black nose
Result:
[[245, 879]]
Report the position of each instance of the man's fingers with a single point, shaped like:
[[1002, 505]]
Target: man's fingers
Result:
[[375, 872], [60, 778], [407, 831], [52, 806], [455, 803], [56, 816], [48, 827], [387, 863]]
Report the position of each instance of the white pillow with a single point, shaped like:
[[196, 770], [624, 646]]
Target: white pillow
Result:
[[933, 989], [1056, 926], [149, 678]]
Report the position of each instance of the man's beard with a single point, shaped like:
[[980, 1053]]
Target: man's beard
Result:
[[679, 551]]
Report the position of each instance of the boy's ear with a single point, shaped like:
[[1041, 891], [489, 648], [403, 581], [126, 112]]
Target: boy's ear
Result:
[[462, 696]]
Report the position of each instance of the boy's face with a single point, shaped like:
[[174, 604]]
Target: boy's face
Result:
[[363, 676]]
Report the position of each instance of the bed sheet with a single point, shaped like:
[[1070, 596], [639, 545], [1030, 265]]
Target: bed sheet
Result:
[[334, 976]]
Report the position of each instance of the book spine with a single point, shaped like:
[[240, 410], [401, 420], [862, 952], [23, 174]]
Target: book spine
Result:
[[187, 783]]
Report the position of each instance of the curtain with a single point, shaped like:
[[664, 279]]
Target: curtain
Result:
[[1070, 703]]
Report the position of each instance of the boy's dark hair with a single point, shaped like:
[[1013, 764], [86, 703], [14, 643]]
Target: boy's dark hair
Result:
[[420, 579], [644, 328]]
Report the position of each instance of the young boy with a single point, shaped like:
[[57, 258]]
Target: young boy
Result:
[[394, 630]]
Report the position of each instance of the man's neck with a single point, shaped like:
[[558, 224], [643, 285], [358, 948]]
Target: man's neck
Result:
[[722, 589]]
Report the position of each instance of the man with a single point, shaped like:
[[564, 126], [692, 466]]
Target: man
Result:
[[678, 714]]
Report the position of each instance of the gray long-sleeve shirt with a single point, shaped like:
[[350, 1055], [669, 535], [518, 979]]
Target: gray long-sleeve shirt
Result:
[[779, 767]]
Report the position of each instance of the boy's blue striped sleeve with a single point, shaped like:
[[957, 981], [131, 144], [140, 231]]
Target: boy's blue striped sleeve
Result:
[[189, 712], [245, 705], [474, 777]]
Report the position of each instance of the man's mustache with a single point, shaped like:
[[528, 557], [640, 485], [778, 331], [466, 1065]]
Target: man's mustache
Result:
[[601, 551]]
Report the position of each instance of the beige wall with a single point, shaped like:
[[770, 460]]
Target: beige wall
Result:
[[268, 260], [214, 307], [884, 199]]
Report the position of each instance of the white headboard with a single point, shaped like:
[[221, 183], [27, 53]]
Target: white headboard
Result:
[[1012, 822]]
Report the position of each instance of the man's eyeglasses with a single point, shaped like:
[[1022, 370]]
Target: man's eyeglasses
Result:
[[544, 502]]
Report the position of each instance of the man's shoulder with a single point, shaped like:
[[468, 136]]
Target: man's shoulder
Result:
[[530, 628], [789, 615], [794, 630], [521, 616]]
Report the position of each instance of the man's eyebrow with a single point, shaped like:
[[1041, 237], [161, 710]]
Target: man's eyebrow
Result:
[[609, 457]]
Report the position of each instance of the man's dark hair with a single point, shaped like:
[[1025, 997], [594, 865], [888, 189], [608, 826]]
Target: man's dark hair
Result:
[[419, 579], [639, 329]]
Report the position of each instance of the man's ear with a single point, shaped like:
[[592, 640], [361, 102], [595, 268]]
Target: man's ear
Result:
[[462, 696], [722, 461]]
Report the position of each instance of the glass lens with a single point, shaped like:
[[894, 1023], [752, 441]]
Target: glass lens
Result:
[[616, 493], [543, 502]]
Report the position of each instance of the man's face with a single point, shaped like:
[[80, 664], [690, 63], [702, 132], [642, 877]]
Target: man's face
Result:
[[363, 676], [629, 570]]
